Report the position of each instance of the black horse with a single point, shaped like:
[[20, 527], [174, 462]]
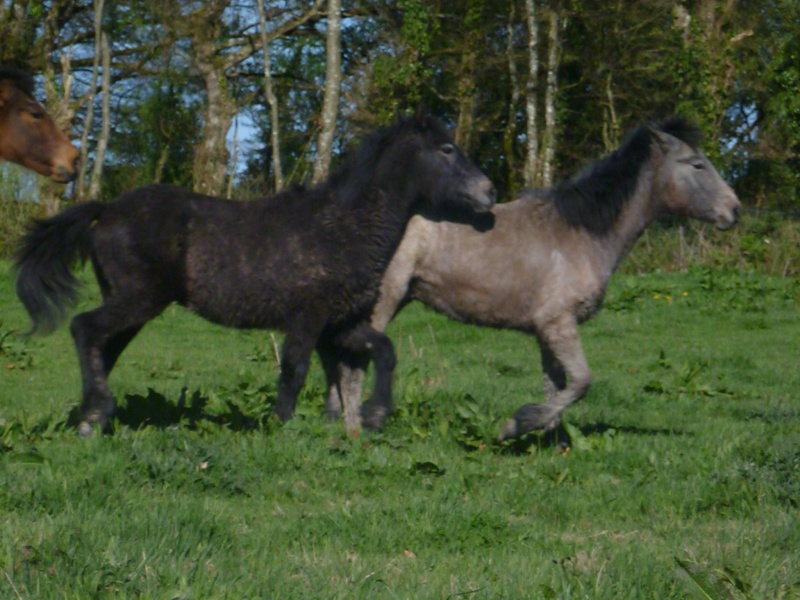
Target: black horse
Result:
[[307, 261]]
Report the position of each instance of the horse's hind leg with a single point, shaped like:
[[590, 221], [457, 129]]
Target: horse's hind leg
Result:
[[100, 336], [566, 380], [555, 378], [115, 345]]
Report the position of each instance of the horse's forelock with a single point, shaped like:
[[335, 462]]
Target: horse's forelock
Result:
[[683, 129], [20, 78]]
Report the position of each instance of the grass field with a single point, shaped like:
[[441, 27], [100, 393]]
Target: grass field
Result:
[[681, 478]]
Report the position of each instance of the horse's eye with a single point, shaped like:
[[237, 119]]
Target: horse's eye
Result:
[[447, 148], [698, 165]]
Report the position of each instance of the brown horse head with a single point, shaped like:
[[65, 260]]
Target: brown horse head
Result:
[[28, 135]]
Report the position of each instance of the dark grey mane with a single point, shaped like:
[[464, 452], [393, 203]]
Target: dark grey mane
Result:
[[21, 79], [594, 198], [357, 166]]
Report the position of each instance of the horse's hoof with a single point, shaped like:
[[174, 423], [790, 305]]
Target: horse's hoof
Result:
[[352, 424], [373, 416], [85, 428], [530, 417], [284, 413], [508, 430]]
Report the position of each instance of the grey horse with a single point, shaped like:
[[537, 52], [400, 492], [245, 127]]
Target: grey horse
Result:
[[543, 264]]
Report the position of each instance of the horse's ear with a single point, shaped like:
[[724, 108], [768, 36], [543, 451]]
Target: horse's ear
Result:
[[663, 141], [421, 116]]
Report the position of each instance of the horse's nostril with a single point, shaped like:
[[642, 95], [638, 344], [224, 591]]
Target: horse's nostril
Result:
[[737, 211], [65, 174]]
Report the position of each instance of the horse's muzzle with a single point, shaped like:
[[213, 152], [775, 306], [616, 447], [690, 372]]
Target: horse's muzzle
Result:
[[731, 214], [64, 173], [483, 194]]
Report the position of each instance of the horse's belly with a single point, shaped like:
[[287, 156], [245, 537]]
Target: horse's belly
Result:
[[236, 308], [474, 304]]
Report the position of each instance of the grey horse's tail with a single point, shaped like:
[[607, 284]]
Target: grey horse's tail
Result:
[[44, 261]]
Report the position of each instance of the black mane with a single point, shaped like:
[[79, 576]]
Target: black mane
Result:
[[21, 79], [594, 197], [357, 167]]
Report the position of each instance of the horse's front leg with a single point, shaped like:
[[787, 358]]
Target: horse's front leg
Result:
[[344, 389], [365, 340], [566, 380], [344, 374]]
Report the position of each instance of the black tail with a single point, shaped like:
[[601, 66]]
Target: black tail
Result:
[[44, 261]]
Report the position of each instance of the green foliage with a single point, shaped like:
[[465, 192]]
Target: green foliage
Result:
[[705, 585], [399, 78], [14, 215], [154, 140], [15, 351], [17, 204], [765, 243]]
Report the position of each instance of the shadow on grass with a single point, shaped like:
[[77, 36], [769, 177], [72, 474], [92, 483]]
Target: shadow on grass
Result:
[[155, 410], [559, 438]]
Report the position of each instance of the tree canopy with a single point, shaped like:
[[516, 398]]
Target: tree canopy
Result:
[[572, 76]]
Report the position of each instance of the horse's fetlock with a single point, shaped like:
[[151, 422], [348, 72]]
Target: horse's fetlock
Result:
[[374, 415]]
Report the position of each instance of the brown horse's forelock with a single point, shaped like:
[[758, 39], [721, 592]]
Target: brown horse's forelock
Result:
[[594, 198], [21, 79]]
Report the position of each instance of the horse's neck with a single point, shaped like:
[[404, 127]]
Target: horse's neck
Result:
[[637, 214]]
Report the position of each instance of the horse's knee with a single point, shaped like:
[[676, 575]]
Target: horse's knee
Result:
[[580, 385]]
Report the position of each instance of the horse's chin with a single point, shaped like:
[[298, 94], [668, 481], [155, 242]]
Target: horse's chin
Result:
[[481, 204], [58, 173], [62, 175], [724, 223]]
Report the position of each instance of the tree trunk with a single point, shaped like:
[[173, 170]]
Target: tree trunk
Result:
[[272, 103], [203, 28], [466, 97], [466, 111], [90, 97], [62, 112], [333, 81], [161, 163], [551, 93], [234, 158], [102, 141], [532, 146], [511, 123], [211, 155], [57, 98], [610, 121]]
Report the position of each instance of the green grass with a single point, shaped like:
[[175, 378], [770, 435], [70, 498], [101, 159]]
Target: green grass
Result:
[[682, 478]]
